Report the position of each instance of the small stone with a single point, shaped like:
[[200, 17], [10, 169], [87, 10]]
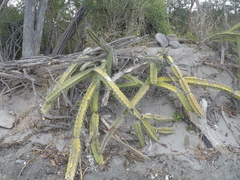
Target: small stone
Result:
[[44, 156], [161, 39], [20, 161], [232, 112], [174, 44], [6, 120], [171, 37]]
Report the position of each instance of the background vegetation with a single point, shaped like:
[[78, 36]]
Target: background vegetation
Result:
[[195, 20]]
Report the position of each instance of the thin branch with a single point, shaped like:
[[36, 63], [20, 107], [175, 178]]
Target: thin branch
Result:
[[63, 93], [115, 137], [35, 94]]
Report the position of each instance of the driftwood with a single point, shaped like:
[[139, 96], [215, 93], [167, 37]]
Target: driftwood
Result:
[[201, 123], [38, 66]]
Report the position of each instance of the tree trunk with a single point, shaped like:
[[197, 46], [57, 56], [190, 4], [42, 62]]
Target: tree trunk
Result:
[[28, 29], [69, 31], [48, 47], [31, 36], [39, 25], [3, 5], [199, 8], [224, 45]]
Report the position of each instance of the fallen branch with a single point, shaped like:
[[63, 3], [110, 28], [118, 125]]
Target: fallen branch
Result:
[[35, 94], [213, 103], [38, 66], [201, 123], [117, 138]]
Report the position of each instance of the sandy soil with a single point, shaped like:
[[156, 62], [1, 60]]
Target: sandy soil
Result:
[[32, 152]]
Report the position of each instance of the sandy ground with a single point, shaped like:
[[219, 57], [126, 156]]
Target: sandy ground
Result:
[[29, 152]]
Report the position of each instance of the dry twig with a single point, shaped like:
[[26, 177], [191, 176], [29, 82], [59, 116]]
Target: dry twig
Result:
[[115, 137]]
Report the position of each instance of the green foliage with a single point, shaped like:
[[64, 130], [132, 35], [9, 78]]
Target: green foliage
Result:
[[230, 35], [11, 20], [114, 19], [213, 18], [155, 17], [178, 15], [190, 127], [178, 18], [11, 14], [177, 117], [190, 36], [57, 18]]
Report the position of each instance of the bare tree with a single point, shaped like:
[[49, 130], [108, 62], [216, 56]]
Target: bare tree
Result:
[[69, 31], [32, 32], [53, 31], [13, 44], [224, 44], [199, 8]]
